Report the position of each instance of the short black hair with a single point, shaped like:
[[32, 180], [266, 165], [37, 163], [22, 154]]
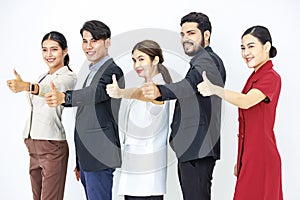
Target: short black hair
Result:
[[98, 29], [200, 18]]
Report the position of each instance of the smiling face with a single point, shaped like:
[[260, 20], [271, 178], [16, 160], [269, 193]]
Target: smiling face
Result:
[[191, 38], [143, 65], [95, 50], [53, 55], [254, 53]]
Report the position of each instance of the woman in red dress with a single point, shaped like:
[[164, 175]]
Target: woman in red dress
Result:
[[258, 167]]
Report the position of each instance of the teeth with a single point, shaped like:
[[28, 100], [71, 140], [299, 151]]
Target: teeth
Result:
[[187, 46]]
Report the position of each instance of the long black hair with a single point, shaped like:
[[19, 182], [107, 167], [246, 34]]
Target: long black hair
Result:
[[61, 40]]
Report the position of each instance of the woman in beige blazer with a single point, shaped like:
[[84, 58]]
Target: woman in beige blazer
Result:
[[44, 133]]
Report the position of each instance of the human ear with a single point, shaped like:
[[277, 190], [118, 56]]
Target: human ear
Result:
[[155, 60], [65, 51], [267, 46], [206, 35], [107, 42]]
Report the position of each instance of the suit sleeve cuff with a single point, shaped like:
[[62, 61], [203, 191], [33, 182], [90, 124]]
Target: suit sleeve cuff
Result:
[[68, 99]]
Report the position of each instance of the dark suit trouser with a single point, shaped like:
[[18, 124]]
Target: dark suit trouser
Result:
[[97, 184], [48, 168], [195, 178]]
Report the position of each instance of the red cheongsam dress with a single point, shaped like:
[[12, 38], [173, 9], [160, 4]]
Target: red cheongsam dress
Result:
[[259, 163]]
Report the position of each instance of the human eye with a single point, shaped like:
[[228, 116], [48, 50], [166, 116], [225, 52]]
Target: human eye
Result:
[[93, 40], [191, 32]]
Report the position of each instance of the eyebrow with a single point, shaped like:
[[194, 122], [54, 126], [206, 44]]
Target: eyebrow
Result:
[[90, 38], [191, 30], [188, 31], [250, 43], [56, 46], [138, 57]]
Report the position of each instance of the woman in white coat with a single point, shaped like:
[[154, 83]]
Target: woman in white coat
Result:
[[144, 126]]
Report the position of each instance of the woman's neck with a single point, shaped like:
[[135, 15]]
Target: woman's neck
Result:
[[53, 70]]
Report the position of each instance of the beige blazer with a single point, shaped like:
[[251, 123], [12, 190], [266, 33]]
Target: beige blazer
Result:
[[44, 122]]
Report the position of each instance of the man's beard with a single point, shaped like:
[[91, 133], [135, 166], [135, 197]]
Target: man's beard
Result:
[[195, 50]]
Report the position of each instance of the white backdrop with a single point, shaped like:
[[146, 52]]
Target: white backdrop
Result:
[[24, 23]]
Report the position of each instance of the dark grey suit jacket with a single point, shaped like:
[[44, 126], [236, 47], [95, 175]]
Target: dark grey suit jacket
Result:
[[96, 129], [196, 120]]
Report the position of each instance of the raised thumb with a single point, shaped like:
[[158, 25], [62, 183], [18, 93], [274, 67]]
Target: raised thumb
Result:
[[205, 79], [16, 74], [114, 79], [148, 76], [52, 86]]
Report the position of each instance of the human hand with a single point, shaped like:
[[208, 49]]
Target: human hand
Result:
[[150, 90], [148, 77], [17, 84], [77, 173], [235, 170], [206, 88], [54, 98], [113, 90]]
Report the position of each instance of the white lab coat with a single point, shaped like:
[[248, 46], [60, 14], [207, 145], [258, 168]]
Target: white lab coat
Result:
[[144, 128]]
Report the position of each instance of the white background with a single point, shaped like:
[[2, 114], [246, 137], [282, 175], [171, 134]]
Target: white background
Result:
[[24, 23]]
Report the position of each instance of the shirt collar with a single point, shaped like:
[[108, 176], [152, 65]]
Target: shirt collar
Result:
[[61, 70], [261, 71], [201, 52], [95, 67]]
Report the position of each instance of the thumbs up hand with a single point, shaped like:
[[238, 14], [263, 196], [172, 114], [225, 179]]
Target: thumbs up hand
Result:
[[17, 84], [52, 86], [54, 98], [113, 89], [206, 88], [148, 77], [18, 77]]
